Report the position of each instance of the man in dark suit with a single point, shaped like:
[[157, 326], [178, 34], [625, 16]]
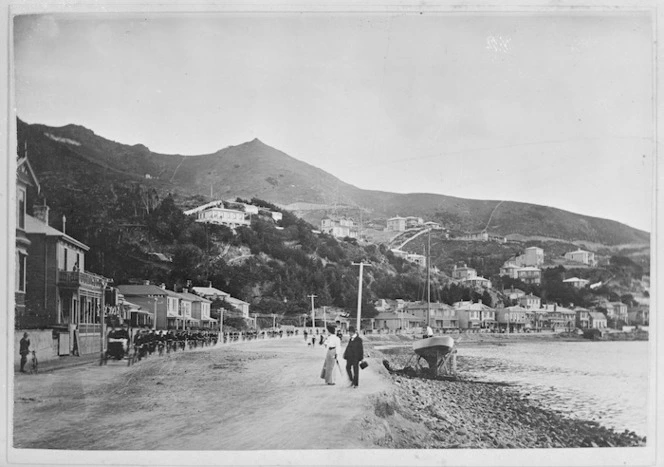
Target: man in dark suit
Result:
[[353, 354]]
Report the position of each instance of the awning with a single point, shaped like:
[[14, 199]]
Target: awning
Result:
[[141, 312], [173, 315], [193, 320]]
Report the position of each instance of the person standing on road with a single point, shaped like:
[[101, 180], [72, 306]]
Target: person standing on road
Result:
[[354, 354], [24, 350], [332, 343]]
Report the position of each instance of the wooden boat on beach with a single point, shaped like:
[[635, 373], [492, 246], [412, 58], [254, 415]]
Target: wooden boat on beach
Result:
[[438, 351]]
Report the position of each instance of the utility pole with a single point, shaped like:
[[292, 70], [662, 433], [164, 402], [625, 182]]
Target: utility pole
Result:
[[361, 264], [324, 318], [313, 318]]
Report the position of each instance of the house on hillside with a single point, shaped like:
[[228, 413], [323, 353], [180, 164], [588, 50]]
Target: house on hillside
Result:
[[582, 256], [475, 237], [463, 272], [513, 294], [391, 321], [478, 281], [339, 227], [396, 224], [509, 269], [532, 256], [529, 275], [530, 301], [576, 282]]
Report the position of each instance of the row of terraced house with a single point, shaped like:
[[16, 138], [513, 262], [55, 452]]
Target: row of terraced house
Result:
[[64, 306], [528, 314]]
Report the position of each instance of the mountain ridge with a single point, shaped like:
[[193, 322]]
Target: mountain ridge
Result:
[[255, 169]]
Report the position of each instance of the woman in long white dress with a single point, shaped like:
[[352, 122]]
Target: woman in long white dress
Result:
[[332, 343]]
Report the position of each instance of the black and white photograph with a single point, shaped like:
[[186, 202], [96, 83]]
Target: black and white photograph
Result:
[[299, 234]]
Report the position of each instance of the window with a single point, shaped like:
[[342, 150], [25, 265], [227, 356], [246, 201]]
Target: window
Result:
[[20, 215], [65, 259], [20, 271]]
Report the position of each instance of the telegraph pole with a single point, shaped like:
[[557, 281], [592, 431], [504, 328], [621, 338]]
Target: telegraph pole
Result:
[[324, 318], [361, 264], [313, 318]]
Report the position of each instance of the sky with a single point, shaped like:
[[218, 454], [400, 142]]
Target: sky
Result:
[[545, 108]]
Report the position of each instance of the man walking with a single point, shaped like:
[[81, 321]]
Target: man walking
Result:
[[353, 354], [24, 350]]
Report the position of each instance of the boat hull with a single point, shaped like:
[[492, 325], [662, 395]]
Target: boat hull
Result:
[[433, 346]]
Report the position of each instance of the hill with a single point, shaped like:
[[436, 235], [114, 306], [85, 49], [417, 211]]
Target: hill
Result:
[[254, 169]]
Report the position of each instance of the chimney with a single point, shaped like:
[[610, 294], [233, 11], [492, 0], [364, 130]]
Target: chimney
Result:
[[210, 284], [163, 286], [64, 224], [146, 282], [41, 212]]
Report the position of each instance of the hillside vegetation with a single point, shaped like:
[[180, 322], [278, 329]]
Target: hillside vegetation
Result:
[[254, 169]]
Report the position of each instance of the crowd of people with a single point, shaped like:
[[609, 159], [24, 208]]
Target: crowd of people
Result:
[[145, 341]]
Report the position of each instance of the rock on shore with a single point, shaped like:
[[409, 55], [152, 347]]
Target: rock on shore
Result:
[[428, 413]]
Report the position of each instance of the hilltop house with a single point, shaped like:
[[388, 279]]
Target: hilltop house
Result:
[[339, 227], [581, 256]]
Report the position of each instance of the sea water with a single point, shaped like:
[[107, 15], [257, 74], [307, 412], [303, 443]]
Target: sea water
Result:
[[602, 381]]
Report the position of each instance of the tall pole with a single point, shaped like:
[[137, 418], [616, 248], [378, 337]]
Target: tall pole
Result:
[[313, 318], [324, 318], [361, 264]]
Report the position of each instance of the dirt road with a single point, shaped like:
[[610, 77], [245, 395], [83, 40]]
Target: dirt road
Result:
[[256, 395]]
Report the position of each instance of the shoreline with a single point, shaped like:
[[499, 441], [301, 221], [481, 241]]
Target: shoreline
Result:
[[427, 413]]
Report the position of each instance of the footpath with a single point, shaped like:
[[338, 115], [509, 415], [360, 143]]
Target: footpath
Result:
[[263, 394]]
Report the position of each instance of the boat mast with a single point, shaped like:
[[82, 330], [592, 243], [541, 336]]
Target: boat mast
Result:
[[429, 278]]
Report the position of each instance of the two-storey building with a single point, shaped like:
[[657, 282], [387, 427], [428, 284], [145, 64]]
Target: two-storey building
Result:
[[530, 301], [532, 256], [162, 304], [597, 320], [581, 256], [582, 318], [512, 318]]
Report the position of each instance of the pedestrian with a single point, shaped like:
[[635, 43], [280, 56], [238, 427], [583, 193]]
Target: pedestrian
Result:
[[332, 343], [313, 340], [24, 350], [354, 354], [428, 332], [322, 339]]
